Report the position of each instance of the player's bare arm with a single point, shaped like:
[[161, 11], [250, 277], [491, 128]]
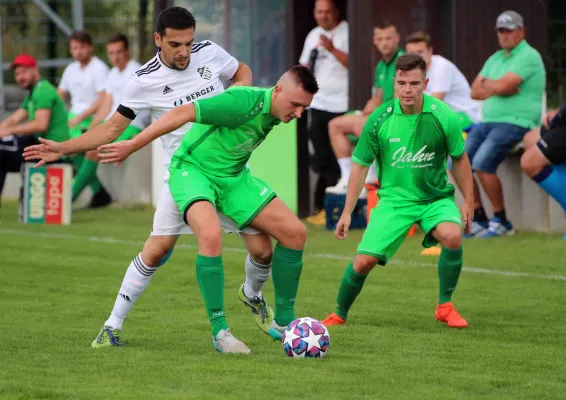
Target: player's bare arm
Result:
[[463, 174], [103, 110], [243, 75], [49, 151], [39, 124], [174, 119], [18, 116], [355, 186]]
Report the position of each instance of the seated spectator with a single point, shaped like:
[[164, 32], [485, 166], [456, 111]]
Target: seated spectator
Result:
[[445, 81], [386, 40], [544, 159], [44, 109], [512, 83]]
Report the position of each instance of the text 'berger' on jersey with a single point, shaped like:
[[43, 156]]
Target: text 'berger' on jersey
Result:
[[193, 96]]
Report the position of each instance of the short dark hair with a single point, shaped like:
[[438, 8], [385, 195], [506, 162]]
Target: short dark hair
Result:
[[419, 37], [384, 24], [119, 37], [409, 62], [81, 37], [178, 18], [304, 76]]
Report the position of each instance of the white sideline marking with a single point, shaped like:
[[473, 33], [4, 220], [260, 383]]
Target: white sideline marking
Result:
[[328, 256]]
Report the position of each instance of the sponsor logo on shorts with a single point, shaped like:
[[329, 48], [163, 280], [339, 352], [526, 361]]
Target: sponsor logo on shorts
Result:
[[543, 143], [421, 159]]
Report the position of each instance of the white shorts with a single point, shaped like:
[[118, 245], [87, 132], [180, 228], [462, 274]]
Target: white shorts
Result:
[[168, 220]]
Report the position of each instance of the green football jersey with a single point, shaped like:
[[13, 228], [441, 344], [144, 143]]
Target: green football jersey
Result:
[[43, 95], [385, 76], [229, 127], [411, 150]]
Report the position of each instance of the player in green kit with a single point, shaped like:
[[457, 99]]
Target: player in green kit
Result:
[[411, 138], [208, 172]]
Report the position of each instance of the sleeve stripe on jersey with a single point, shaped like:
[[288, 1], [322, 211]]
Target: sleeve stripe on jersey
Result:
[[153, 66], [199, 46]]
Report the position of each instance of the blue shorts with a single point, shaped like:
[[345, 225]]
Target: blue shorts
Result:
[[489, 143]]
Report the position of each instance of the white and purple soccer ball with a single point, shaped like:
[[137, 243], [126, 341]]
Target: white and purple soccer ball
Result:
[[306, 338]]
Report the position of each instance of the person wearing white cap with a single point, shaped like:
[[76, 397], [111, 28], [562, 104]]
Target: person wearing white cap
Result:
[[512, 83]]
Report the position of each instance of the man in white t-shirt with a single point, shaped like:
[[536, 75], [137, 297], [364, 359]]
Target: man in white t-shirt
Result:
[[181, 72], [326, 53], [83, 81], [446, 82], [118, 51]]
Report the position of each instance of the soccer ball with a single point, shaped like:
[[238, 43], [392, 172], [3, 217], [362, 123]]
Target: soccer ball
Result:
[[306, 337]]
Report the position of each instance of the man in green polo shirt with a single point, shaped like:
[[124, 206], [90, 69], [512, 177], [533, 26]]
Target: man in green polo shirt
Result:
[[44, 109], [386, 39], [512, 83]]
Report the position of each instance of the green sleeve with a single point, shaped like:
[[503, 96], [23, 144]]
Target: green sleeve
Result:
[[454, 136], [25, 103], [367, 148], [527, 64], [43, 97], [376, 82], [230, 109]]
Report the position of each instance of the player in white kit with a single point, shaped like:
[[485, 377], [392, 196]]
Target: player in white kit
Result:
[[181, 72], [83, 81]]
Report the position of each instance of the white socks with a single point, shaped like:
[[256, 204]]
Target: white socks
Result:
[[345, 167], [256, 276], [372, 174], [135, 281]]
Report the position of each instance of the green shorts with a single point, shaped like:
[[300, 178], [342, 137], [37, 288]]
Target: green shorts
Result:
[[128, 134], [239, 197], [389, 225], [80, 128]]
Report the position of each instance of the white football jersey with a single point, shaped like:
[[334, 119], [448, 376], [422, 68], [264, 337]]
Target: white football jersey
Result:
[[84, 84], [115, 84], [158, 88]]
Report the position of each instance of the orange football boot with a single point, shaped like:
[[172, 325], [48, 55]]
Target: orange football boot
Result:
[[333, 319], [448, 314]]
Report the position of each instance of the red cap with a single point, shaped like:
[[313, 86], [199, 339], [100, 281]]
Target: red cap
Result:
[[24, 60]]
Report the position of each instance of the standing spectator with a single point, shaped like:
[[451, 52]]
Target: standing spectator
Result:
[[544, 159], [386, 39], [83, 80], [326, 53], [44, 109], [445, 81], [512, 83]]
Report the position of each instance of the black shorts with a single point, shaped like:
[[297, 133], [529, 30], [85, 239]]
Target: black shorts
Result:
[[552, 144]]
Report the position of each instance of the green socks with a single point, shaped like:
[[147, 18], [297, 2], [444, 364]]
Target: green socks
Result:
[[449, 267], [210, 278], [86, 175], [351, 285], [286, 269]]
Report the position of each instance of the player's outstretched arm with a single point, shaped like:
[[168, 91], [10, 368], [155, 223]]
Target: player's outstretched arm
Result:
[[463, 174], [174, 119], [49, 151], [355, 185]]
